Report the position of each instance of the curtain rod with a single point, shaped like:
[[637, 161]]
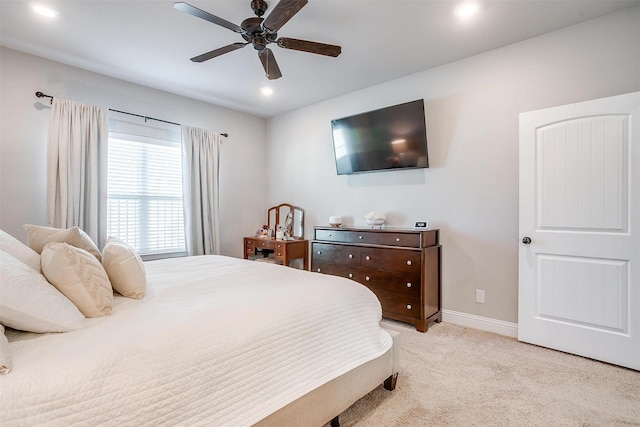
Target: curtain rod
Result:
[[42, 95]]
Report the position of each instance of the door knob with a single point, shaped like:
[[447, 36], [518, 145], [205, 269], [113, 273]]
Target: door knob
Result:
[[526, 240]]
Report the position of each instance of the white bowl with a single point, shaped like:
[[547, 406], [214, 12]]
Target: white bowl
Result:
[[374, 221]]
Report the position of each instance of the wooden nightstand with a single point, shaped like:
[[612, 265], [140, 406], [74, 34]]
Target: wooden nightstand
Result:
[[283, 250]]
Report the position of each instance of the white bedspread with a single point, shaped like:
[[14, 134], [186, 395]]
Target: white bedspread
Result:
[[217, 341]]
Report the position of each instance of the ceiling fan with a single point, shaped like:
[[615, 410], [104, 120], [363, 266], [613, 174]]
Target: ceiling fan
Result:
[[261, 32]]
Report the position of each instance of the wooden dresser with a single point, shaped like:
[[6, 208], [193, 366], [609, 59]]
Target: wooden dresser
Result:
[[401, 266]]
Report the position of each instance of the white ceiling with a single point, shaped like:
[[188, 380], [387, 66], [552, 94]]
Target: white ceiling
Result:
[[149, 42]]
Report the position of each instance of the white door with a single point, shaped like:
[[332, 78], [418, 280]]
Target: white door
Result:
[[579, 284]]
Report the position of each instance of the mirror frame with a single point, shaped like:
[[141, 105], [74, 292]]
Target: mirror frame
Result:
[[277, 215]]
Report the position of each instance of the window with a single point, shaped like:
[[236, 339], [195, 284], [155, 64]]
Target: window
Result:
[[144, 193]]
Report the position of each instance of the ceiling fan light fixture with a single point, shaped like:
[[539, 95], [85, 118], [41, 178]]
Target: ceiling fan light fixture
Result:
[[467, 10], [43, 10], [259, 43]]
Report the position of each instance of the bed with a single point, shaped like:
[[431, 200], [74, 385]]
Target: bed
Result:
[[215, 341]]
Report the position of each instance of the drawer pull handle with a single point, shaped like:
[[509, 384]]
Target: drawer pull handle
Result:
[[350, 255], [319, 270], [408, 306], [409, 262], [279, 254], [367, 278], [350, 276], [367, 257], [319, 252], [359, 237], [397, 239], [408, 285]]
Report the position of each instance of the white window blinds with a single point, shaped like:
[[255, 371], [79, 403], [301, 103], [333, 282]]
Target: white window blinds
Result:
[[144, 189]]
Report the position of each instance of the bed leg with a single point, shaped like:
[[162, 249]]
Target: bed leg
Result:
[[335, 422], [390, 383]]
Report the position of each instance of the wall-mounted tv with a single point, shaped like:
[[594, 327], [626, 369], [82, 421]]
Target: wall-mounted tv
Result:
[[390, 138]]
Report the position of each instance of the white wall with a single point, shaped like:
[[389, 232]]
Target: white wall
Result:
[[470, 191], [24, 122]]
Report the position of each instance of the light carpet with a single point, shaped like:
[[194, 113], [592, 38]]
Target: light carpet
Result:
[[457, 376]]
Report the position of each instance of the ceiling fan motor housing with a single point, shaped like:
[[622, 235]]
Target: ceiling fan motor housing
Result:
[[253, 32], [251, 27]]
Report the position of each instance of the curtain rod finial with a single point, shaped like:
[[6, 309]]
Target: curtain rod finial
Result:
[[44, 95]]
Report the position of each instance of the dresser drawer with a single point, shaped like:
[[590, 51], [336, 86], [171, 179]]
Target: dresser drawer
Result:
[[409, 240], [279, 250], [347, 236], [339, 254], [400, 304], [250, 246], [391, 281], [249, 243], [340, 270], [333, 235], [390, 259], [259, 243]]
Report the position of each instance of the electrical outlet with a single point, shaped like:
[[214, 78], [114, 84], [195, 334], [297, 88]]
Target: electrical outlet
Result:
[[480, 296]]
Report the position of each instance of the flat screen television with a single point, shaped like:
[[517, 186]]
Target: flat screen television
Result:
[[390, 138]]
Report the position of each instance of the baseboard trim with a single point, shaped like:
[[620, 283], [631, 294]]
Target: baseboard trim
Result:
[[483, 323]]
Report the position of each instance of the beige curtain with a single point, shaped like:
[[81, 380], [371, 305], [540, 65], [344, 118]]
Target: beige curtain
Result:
[[200, 173], [77, 168]]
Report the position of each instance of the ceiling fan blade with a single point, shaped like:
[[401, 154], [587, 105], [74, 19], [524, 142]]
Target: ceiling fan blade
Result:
[[311, 47], [269, 64], [283, 11], [199, 13], [218, 52]]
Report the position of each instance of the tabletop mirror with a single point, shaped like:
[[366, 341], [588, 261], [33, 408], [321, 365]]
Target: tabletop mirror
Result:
[[289, 217]]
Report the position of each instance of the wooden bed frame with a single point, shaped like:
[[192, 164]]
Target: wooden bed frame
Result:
[[328, 401]]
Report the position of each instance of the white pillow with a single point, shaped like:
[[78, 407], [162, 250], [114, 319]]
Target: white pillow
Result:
[[29, 303], [19, 250], [125, 268], [6, 361], [38, 236], [79, 276]]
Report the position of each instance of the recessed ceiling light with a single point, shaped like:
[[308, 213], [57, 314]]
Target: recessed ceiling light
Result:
[[44, 11], [266, 91], [467, 10]]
